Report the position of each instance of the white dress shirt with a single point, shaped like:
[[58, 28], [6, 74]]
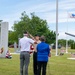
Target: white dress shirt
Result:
[[25, 43]]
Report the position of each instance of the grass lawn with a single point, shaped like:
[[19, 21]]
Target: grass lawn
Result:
[[57, 65]]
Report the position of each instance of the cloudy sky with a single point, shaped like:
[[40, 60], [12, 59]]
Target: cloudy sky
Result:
[[10, 11]]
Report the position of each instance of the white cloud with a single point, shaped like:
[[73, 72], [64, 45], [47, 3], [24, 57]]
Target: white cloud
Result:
[[49, 13], [11, 18], [41, 8], [66, 1], [62, 35]]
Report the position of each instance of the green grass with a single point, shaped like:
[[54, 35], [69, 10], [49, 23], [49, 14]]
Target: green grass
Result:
[[57, 65]]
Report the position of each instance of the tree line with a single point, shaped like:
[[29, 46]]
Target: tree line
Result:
[[34, 25], [62, 42]]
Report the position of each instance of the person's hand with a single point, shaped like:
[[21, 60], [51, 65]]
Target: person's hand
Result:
[[50, 55], [35, 42], [31, 51]]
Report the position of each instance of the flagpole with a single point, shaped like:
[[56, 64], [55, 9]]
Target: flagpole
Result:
[[66, 36], [56, 27]]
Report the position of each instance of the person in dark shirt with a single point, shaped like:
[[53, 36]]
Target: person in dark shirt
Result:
[[43, 51], [37, 41]]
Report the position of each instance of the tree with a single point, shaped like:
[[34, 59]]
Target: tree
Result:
[[33, 25], [72, 46], [62, 42], [12, 37], [70, 42]]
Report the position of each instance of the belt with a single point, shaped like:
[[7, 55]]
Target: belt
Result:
[[25, 51]]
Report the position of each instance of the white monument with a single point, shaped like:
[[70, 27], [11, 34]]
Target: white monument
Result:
[[15, 46], [3, 38]]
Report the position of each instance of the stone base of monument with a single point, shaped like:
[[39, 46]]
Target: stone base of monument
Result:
[[17, 51], [71, 58]]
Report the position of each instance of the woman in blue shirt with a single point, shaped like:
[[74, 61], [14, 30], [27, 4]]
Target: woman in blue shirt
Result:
[[43, 51]]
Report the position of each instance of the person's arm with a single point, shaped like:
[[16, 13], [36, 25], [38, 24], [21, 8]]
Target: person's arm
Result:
[[30, 35], [37, 48], [49, 52], [32, 42], [34, 47], [19, 45]]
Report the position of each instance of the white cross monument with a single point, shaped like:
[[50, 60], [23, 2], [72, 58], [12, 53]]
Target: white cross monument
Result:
[[3, 38]]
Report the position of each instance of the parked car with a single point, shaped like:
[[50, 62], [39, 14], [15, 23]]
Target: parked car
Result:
[[12, 46], [54, 46]]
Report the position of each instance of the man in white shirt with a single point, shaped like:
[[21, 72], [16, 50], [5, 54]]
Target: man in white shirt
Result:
[[25, 43]]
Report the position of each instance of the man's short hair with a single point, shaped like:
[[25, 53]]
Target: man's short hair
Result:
[[37, 35], [25, 32], [42, 38]]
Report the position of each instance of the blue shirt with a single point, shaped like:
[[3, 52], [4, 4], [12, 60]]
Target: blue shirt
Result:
[[43, 51]]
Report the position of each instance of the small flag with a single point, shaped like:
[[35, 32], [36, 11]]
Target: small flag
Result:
[[72, 15]]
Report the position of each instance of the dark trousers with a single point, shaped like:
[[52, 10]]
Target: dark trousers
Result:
[[42, 66], [35, 63], [24, 62]]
